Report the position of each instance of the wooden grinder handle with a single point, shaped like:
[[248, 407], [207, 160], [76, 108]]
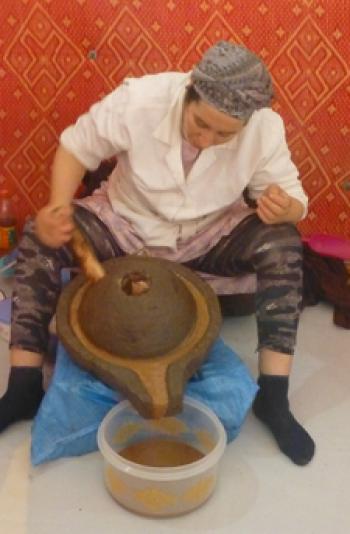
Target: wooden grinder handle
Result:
[[88, 262]]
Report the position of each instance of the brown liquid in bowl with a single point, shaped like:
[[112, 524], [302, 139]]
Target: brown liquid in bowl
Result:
[[159, 452]]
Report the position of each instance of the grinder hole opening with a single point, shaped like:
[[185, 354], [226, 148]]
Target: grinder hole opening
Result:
[[135, 284]]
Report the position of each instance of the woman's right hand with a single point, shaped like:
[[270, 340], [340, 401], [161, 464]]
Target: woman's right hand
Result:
[[54, 225]]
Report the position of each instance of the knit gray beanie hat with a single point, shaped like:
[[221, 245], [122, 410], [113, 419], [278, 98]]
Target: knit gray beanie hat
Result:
[[233, 79]]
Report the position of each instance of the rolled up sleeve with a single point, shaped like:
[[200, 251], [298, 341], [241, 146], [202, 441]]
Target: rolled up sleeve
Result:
[[276, 165], [101, 132]]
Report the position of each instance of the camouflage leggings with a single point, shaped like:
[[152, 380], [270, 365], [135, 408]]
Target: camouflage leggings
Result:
[[273, 252]]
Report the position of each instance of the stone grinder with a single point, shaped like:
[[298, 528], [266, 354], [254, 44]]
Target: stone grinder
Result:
[[142, 325]]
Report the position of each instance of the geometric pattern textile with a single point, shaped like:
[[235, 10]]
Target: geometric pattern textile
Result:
[[58, 57]]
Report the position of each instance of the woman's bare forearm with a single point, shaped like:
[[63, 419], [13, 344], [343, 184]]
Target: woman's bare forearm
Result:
[[67, 174]]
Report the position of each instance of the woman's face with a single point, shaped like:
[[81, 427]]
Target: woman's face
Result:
[[204, 126]]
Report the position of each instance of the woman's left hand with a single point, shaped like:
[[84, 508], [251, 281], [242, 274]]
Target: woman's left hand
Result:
[[274, 205]]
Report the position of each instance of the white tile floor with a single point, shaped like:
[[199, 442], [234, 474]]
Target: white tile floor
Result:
[[259, 490]]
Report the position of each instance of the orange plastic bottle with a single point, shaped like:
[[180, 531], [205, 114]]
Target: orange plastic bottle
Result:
[[8, 231]]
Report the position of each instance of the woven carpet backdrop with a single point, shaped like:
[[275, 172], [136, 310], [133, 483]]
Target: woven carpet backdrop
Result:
[[59, 56]]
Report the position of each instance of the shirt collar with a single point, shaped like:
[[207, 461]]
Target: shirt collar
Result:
[[169, 129]]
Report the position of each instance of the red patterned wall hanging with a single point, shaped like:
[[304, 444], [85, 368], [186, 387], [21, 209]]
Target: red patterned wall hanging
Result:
[[58, 57]]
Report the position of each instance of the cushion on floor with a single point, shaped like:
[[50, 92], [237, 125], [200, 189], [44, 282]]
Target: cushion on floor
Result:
[[76, 402]]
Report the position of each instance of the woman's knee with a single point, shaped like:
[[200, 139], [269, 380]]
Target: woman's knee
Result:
[[280, 246], [28, 230]]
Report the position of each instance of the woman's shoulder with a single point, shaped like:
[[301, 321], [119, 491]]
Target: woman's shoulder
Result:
[[155, 86], [267, 119]]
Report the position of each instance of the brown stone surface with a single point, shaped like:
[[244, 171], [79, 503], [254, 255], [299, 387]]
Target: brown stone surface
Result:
[[159, 309], [142, 325]]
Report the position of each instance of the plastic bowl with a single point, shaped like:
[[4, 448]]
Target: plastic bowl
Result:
[[161, 491]]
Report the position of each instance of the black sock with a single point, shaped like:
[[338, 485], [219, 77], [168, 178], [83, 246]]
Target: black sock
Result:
[[23, 396], [271, 406]]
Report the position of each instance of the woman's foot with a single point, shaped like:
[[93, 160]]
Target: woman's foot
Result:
[[23, 396], [271, 406]]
